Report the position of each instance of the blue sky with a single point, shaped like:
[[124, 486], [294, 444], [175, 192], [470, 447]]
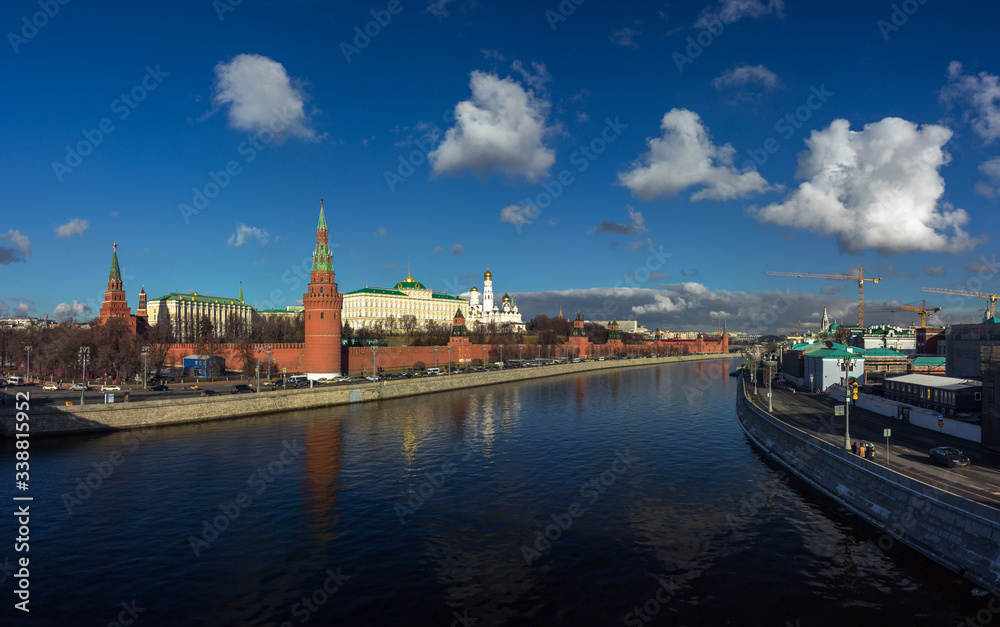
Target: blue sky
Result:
[[650, 161]]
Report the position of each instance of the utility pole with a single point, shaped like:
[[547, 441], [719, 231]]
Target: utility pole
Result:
[[145, 366], [84, 358]]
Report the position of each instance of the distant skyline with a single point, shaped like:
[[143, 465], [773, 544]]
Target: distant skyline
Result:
[[648, 162]]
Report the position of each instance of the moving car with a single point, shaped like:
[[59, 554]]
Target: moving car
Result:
[[191, 387], [110, 388], [79, 387], [240, 388], [208, 392], [50, 386], [948, 456], [158, 388]]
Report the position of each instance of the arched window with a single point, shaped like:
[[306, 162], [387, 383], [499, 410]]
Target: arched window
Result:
[[321, 315]]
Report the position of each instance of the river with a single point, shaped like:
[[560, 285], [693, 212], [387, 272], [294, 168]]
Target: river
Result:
[[626, 497]]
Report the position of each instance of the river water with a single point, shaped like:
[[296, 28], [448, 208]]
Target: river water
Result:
[[628, 497]]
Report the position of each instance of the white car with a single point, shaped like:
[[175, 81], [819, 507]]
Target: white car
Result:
[[110, 388], [50, 386]]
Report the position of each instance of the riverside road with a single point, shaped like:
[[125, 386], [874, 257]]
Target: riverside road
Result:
[[909, 445]]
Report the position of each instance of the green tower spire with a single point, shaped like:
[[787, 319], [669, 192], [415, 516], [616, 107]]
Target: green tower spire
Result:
[[322, 257], [241, 291], [116, 273]]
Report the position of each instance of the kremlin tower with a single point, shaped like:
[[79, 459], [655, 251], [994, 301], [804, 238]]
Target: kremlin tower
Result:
[[115, 306], [322, 310]]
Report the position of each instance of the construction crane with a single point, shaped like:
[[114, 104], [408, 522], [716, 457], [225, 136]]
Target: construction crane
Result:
[[860, 278], [992, 297], [923, 311]]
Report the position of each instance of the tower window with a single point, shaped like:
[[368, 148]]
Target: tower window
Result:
[[321, 315]]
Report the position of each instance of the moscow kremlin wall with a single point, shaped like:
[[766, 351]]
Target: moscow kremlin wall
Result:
[[321, 355]]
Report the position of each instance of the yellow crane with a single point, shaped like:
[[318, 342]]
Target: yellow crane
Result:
[[923, 311], [860, 278], [940, 290]]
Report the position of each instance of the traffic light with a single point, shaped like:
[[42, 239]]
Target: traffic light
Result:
[[854, 390]]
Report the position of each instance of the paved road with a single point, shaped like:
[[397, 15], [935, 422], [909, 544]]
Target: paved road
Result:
[[908, 445]]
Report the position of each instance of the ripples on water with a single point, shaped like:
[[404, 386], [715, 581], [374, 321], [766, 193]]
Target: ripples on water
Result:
[[424, 509]]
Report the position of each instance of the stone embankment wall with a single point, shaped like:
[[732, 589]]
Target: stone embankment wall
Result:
[[956, 532], [56, 420]]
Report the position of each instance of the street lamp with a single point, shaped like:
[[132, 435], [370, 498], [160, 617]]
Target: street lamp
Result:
[[449, 359], [258, 368], [145, 366], [769, 363], [268, 350], [84, 359], [847, 365], [435, 356], [501, 353], [375, 362], [27, 374]]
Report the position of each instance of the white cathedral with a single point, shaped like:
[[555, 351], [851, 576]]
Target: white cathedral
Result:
[[489, 311]]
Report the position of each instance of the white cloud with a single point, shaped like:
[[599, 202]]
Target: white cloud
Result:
[[14, 247], [745, 74], [437, 249], [685, 157], [76, 226], [22, 309], [439, 8], [64, 310], [537, 79], [937, 270], [244, 233], [261, 96], [500, 130], [729, 11], [625, 37], [875, 188], [990, 169], [517, 214], [981, 93], [457, 249], [381, 233], [636, 224]]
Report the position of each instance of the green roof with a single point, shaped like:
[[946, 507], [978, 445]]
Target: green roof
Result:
[[883, 352], [929, 361], [446, 296], [410, 285], [116, 274], [377, 290], [834, 353], [198, 298]]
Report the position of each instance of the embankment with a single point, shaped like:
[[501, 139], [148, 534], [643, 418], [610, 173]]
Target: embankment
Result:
[[956, 532], [56, 420]]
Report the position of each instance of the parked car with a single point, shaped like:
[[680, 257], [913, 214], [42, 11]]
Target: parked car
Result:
[[79, 387], [208, 392], [240, 388], [158, 388], [948, 456]]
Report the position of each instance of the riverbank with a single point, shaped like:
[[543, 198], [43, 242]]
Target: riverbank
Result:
[[167, 411], [954, 531]]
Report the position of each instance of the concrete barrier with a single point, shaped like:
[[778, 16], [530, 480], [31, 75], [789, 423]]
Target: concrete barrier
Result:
[[56, 420], [958, 533], [919, 416]]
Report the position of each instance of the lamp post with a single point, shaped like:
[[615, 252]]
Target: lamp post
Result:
[[484, 356], [27, 374], [84, 359], [769, 363], [435, 356], [501, 354], [268, 350], [847, 365], [449, 359], [258, 368], [145, 366], [375, 362]]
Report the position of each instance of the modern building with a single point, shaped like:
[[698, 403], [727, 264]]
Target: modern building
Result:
[[488, 311], [203, 366], [945, 395], [323, 305], [899, 339], [930, 340], [186, 312], [823, 367], [389, 309], [990, 356], [963, 343]]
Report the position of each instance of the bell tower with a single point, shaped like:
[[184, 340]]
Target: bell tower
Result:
[[323, 306]]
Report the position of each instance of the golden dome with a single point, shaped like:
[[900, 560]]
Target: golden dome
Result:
[[474, 289], [505, 299], [489, 275]]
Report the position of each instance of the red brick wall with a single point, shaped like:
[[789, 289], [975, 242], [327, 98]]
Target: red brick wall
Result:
[[289, 356]]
